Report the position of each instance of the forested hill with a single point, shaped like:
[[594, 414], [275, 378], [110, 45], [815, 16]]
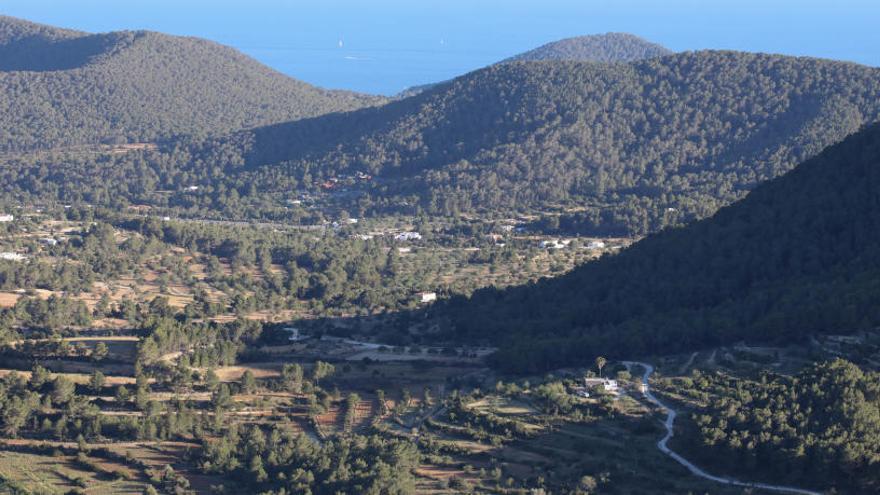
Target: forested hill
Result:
[[61, 87], [639, 145], [800, 254], [609, 47]]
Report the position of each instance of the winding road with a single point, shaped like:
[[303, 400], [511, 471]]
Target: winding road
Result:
[[663, 445]]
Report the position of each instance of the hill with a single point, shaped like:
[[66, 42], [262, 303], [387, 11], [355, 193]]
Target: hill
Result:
[[609, 47], [61, 87], [620, 148], [799, 255]]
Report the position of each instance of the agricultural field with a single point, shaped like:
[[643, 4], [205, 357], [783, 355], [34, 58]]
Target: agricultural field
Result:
[[61, 474]]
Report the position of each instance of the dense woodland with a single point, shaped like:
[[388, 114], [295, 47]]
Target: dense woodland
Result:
[[616, 149], [798, 255], [608, 47], [636, 146], [279, 464], [820, 427], [61, 88]]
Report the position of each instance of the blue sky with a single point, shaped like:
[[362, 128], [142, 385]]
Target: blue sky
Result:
[[390, 45]]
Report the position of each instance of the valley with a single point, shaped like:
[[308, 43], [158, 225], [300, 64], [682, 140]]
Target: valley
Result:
[[597, 267]]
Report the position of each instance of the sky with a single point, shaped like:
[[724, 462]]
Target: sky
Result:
[[385, 46]]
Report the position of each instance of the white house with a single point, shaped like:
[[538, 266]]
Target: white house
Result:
[[408, 236], [48, 241], [606, 384], [611, 386], [6, 218], [554, 244], [426, 297]]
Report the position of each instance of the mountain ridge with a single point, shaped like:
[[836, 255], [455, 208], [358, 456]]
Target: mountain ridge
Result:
[[796, 256], [644, 144], [62, 87]]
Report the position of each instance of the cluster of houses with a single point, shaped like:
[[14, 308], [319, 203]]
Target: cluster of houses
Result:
[[401, 237], [334, 182], [564, 243]]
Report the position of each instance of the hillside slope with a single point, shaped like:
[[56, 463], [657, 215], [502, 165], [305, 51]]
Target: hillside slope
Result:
[[609, 47], [60, 87], [636, 146], [800, 254]]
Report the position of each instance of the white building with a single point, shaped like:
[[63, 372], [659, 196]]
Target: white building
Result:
[[554, 244], [596, 245], [6, 218], [426, 297], [605, 384], [408, 236]]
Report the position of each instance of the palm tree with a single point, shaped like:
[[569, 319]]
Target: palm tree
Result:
[[600, 363]]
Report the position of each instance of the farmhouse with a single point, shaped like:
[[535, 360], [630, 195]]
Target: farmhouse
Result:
[[605, 384], [554, 244], [426, 297], [408, 236]]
